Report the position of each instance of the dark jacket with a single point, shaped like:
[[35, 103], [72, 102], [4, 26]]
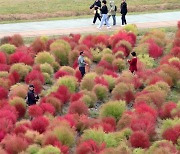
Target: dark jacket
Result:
[[104, 10], [98, 4], [31, 98], [124, 8]]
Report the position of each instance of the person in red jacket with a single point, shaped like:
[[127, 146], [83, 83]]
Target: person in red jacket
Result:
[[133, 63]]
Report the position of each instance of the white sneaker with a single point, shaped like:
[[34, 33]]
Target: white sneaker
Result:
[[93, 23], [108, 27], [99, 27]]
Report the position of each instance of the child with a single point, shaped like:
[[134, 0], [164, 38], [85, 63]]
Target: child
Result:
[[133, 63], [104, 12]]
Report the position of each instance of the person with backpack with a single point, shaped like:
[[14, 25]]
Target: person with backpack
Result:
[[97, 13], [123, 11], [104, 12], [31, 98], [112, 12]]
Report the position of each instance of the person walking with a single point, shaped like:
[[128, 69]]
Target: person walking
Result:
[[104, 12], [133, 63], [123, 11], [97, 13], [112, 12], [82, 63], [32, 98]]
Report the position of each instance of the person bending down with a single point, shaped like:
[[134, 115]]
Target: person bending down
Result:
[[82, 63], [133, 63]]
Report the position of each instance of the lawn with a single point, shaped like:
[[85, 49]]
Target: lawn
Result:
[[33, 9]]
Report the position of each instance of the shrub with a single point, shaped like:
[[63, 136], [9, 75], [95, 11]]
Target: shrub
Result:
[[89, 94], [110, 80], [20, 105], [47, 68], [40, 124], [44, 57], [165, 145], [65, 135], [123, 91], [73, 56], [69, 81], [53, 101], [89, 146], [21, 69], [33, 149], [14, 144], [48, 108], [68, 69], [87, 84], [131, 28], [38, 45], [118, 64], [166, 109], [60, 49], [17, 40], [14, 77], [47, 78], [139, 139], [146, 60], [37, 86], [113, 109], [34, 75], [49, 149], [124, 121], [3, 58], [101, 80], [78, 107], [8, 48], [108, 57], [125, 44], [3, 94], [101, 92], [35, 111]]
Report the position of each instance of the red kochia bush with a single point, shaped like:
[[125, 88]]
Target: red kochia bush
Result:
[[78, 75], [111, 73], [60, 73], [14, 144], [165, 110], [63, 94], [34, 75], [176, 52], [17, 40], [48, 108], [35, 111], [105, 65], [2, 135], [3, 58], [90, 147], [37, 86], [40, 124], [70, 118], [78, 107], [76, 96], [38, 45], [154, 50], [14, 77], [139, 139], [22, 128], [102, 81], [4, 67], [172, 134], [3, 93]]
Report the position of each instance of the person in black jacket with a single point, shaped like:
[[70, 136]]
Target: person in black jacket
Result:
[[31, 97], [123, 11], [104, 12], [97, 14]]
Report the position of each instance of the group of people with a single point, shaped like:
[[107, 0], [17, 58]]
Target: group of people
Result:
[[103, 13]]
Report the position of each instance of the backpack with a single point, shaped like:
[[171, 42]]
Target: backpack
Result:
[[115, 9]]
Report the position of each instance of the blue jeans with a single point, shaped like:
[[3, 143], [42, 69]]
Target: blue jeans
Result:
[[114, 18], [104, 19]]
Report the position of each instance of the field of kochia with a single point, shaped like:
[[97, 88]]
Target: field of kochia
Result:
[[93, 114]]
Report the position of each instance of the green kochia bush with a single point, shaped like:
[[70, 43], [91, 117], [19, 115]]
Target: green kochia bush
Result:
[[47, 68], [49, 149], [101, 92], [113, 109], [21, 69], [44, 57], [8, 48], [33, 149], [148, 61], [60, 49], [69, 81]]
